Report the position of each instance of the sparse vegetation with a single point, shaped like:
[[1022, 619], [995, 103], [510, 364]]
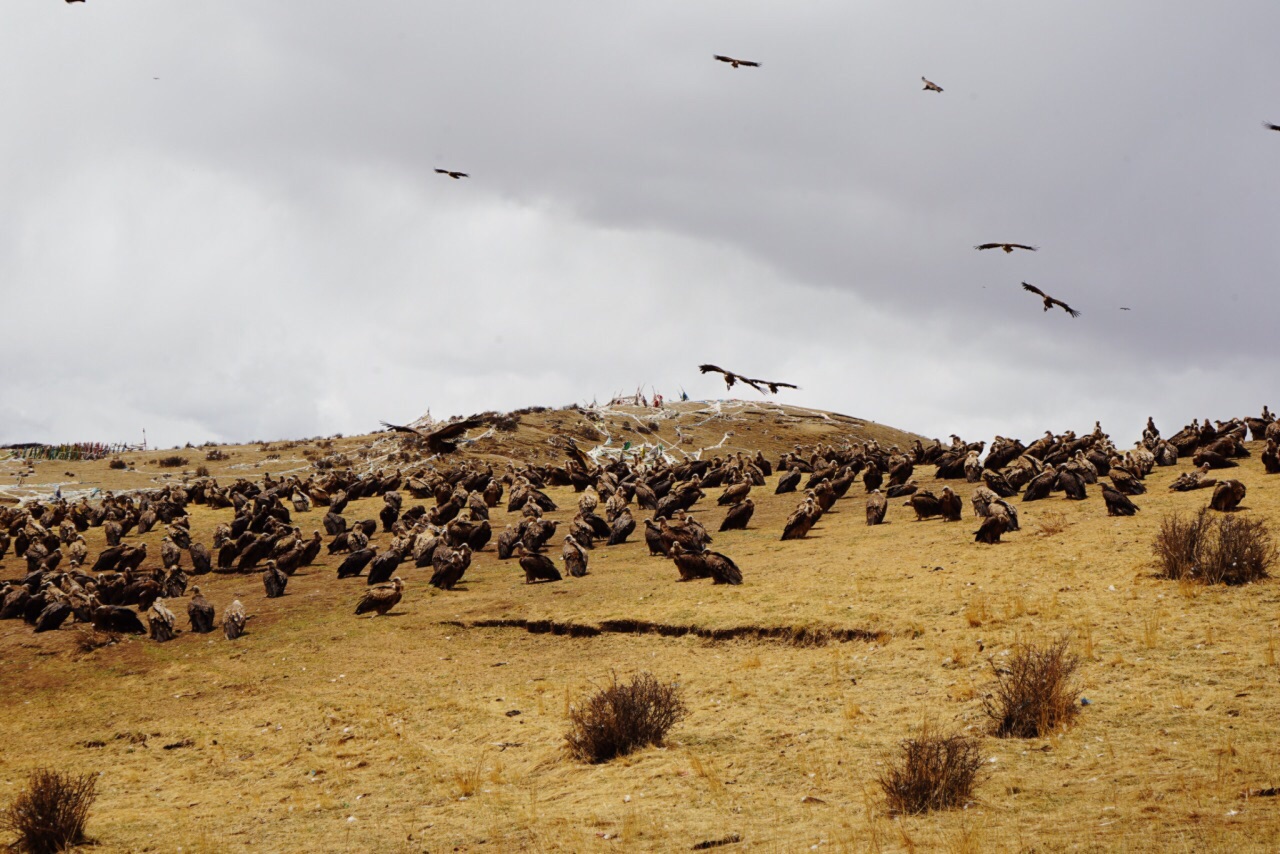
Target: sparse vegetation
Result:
[[216, 455], [624, 717], [1035, 691], [932, 771], [50, 814], [202, 471], [1211, 549], [173, 461], [117, 464]]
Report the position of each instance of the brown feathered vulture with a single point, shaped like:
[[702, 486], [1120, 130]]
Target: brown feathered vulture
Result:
[[1050, 302], [537, 567], [575, 557], [991, 528], [877, 504], [926, 505], [1227, 495], [738, 516], [730, 378], [442, 440], [950, 505], [452, 174], [200, 612], [382, 598], [1007, 247], [161, 620], [274, 580], [234, 620], [930, 86], [722, 58], [1118, 504]]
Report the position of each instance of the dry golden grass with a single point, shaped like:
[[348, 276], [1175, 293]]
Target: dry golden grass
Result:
[[322, 731]]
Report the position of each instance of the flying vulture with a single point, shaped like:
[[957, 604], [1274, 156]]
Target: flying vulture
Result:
[[730, 378], [930, 86], [1266, 125], [1007, 247], [452, 174], [1050, 302], [736, 62], [442, 439]]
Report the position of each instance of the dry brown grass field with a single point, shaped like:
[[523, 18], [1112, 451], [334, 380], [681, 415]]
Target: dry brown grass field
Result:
[[426, 730]]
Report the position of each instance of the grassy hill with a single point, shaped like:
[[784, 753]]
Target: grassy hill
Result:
[[441, 726]]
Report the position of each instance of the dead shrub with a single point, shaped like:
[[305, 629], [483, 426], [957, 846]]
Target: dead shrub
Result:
[[117, 463], [216, 455], [1035, 690], [1052, 523], [172, 462], [87, 640], [932, 771], [1211, 549], [621, 718], [50, 815], [202, 471]]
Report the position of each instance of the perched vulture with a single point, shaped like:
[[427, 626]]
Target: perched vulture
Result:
[[53, 615], [729, 59], [734, 494], [908, 488], [382, 598], [1050, 302], [382, 567], [621, 528], [234, 620], [575, 557], [877, 504], [787, 482], [537, 567], [452, 174], [161, 622], [200, 612], [1118, 504], [1007, 247], [950, 505], [1072, 484], [116, 618], [1271, 457], [274, 580], [720, 568], [1227, 495], [738, 516], [982, 500], [1040, 486], [1198, 479], [355, 562], [872, 478], [926, 505], [991, 528], [930, 86], [800, 521]]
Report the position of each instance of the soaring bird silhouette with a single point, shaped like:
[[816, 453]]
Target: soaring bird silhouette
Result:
[[440, 440], [1050, 302], [730, 378], [454, 175], [1266, 125], [930, 86], [736, 62], [1007, 247]]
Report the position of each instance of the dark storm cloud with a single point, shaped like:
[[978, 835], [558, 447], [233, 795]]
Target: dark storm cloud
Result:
[[255, 245]]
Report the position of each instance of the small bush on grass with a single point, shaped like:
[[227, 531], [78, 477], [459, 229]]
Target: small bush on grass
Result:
[[49, 816], [202, 471], [1212, 549], [932, 772], [215, 455], [172, 462], [1035, 690], [117, 463], [621, 718]]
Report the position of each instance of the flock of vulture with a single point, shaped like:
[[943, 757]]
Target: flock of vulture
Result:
[[62, 582]]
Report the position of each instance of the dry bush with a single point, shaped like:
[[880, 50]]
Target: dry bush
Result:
[[87, 640], [1035, 691], [932, 772], [117, 463], [1052, 523], [1212, 549], [216, 455], [50, 814], [202, 471], [172, 462], [621, 718]]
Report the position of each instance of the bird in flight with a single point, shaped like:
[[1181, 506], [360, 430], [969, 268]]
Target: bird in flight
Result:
[[1050, 302], [1266, 125], [730, 378], [442, 440], [454, 175], [1125, 308], [1007, 247], [930, 86], [736, 62]]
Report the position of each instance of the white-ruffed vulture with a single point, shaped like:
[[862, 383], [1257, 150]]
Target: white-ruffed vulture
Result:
[[452, 174], [930, 86], [575, 557], [736, 62], [1050, 302], [1007, 247], [381, 599], [1227, 495], [234, 620], [200, 612], [877, 504]]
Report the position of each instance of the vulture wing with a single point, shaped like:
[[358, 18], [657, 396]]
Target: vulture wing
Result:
[[1266, 125], [399, 428], [988, 246], [1023, 246], [1034, 290], [1068, 309], [709, 368]]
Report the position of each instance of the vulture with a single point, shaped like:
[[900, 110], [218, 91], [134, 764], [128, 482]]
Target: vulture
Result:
[[1118, 504], [53, 615], [116, 618], [160, 620], [926, 505], [1040, 486], [908, 488], [274, 580], [800, 521], [234, 620], [950, 505], [1124, 481], [1050, 302], [621, 528], [200, 612], [1072, 484], [719, 58], [991, 528], [537, 567], [930, 86], [1007, 247], [654, 539], [507, 541], [575, 557], [982, 500], [1227, 495], [442, 440], [201, 560], [877, 504], [720, 568], [788, 482], [872, 478], [730, 378], [1010, 512], [170, 554], [382, 598], [1266, 125], [382, 567], [355, 562], [738, 516], [449, 566], [1271, 457], [734, 494], [1198, 479], [452, 174]]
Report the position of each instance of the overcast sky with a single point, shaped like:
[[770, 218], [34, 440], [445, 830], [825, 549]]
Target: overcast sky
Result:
[[220, 220]]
